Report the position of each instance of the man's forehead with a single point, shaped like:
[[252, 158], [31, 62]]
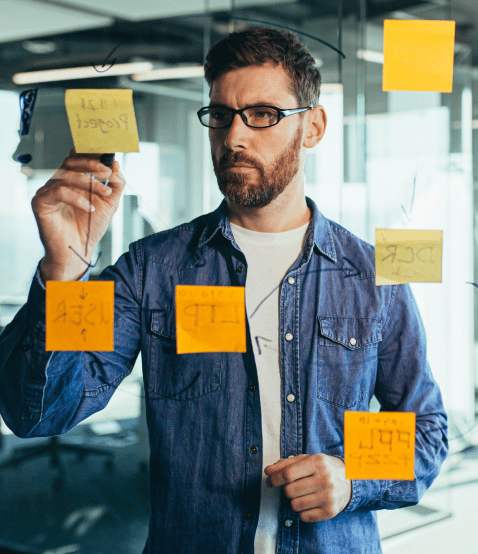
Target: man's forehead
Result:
[[252, 85]]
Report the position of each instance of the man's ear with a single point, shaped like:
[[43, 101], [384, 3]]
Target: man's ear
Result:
[[316, 122]]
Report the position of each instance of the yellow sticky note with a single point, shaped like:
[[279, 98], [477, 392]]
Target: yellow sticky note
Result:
[[418, 55], [379, 445], [102, 120], [79, 315], [210, 319], [408, 256]]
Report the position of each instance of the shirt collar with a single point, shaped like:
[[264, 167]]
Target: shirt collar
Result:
[[318, 233]]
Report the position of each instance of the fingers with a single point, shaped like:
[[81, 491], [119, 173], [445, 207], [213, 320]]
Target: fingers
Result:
[[85, 164], [289, 470], [62, 194], [314, 507], [75, 181], [116, 180], [305, 486]]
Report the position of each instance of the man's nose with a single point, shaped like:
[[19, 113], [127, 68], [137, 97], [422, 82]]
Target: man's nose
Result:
[[236, 133]]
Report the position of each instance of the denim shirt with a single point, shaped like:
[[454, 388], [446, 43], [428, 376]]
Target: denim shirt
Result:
[[203, 410]]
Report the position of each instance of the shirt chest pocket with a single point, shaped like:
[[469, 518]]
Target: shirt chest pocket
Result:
[[347, 360], [180, 377]]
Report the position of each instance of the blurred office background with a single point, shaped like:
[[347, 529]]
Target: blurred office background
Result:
[[388, 159]]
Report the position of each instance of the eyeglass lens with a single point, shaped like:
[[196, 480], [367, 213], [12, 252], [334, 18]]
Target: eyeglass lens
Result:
[[257, 116]]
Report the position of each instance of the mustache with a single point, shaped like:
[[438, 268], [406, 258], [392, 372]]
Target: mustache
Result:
[[232, 158]]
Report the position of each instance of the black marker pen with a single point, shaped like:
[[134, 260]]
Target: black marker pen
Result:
[[107, 159]]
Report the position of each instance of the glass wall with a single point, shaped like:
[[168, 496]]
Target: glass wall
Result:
[[388, 160]]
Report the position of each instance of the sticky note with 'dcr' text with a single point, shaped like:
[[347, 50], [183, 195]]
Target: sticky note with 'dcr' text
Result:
[[408, 256], [418, 55], [210, 319], [102, 120], [80, 315], [379, 445]]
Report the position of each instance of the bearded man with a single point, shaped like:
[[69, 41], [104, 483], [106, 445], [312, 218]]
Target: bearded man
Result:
[[247, 449]]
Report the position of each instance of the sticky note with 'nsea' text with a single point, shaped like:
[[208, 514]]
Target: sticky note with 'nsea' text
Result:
[[379, 445], [408, 256], [80, 315], [102, 120], [418, 55], [210, 319]]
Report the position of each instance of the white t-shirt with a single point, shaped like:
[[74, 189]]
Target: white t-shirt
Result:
[[269, 256]]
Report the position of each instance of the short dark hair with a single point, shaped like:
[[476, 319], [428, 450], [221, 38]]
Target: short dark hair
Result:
[[261, 46]]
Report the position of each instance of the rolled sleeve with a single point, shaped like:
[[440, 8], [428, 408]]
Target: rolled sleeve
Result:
[[405, 384]]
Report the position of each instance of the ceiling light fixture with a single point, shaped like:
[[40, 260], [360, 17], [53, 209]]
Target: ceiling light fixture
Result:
[[39, 46], [183, 72], [71, 73], [331, 88], [370, 56]]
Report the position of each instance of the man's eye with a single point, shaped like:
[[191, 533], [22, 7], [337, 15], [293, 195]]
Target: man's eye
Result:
[[218, 116], [264, 114]]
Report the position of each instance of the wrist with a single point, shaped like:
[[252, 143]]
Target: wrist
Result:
[[50, 271]]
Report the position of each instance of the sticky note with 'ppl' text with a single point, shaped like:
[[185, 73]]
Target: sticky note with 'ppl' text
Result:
[[379, 445], [102, 120], [418, 55], [210, 319], [80, 315], [408, 256]]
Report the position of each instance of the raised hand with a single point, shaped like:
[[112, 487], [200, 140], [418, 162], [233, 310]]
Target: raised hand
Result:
[[62, 211]]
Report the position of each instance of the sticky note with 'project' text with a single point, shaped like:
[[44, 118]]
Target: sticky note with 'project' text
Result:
[[102, 120]]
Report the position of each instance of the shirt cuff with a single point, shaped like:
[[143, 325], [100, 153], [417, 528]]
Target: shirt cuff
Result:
[[364, 491], [38, 278]]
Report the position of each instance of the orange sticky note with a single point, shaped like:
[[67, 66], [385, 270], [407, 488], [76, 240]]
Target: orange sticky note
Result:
[[79, 315], [418, 55], [210, 319], [379, 445], [102, 120]]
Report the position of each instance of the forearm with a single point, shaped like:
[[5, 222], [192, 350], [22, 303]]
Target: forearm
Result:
[[24, 365], [47, 393], [431, 448]]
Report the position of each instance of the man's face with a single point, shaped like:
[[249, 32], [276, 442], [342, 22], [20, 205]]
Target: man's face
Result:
[[253, 166]]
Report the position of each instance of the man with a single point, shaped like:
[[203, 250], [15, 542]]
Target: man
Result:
[[246, 449]]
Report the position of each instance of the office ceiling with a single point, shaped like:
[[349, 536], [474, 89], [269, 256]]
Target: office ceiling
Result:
[[46, 34]]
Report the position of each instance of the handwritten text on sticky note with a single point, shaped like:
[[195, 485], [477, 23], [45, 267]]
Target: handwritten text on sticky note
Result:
[[210, 319], [408, 256], [418, 55], [79, 315], [379, 445], [102, 120]]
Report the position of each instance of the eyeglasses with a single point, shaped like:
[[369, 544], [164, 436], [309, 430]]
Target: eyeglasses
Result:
[[256, 117]]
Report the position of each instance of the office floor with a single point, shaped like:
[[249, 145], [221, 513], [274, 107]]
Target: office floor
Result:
[[97, 510]]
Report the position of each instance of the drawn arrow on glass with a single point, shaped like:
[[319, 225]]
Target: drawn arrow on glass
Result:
[[413, 199], [264, 345]]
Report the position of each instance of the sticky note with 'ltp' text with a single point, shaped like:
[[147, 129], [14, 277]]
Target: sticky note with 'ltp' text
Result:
[[408, 256], [80, 315], [210, 319], [379, 445], [102, 120], [418, 55]]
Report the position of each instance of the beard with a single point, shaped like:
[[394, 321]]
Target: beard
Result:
[[241, 189]]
